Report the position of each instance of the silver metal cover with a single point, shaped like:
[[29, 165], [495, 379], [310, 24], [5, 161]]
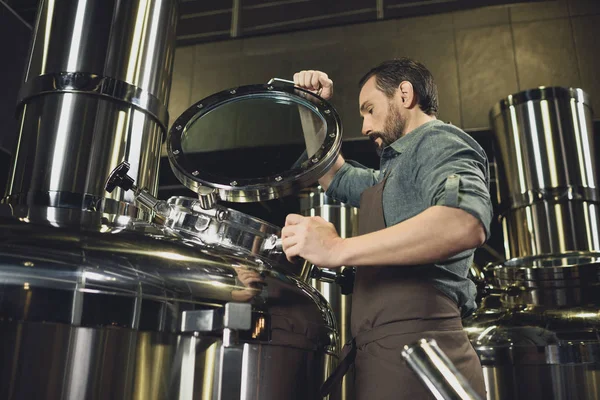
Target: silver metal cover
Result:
[[272, 186]]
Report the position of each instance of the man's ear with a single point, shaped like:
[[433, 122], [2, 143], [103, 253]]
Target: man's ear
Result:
[[407, 94]]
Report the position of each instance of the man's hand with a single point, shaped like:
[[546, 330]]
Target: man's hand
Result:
[[315, 81], [313, 239]]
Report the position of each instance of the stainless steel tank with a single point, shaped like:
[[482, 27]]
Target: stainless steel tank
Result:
[[87, 315], [187, 300], [335, 287], [94, 94], [536, 332], [548, 182]]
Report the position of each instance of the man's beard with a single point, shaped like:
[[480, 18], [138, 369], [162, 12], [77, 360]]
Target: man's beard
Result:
[[392, 130]]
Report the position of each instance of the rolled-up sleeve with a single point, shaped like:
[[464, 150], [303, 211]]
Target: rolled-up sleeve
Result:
[[350, 181], [450, 172]]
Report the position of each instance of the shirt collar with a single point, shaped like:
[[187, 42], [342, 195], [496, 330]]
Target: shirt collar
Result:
[[405, 141]]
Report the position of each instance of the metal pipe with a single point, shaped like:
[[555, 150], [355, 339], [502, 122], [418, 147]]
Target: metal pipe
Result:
[[435, 370], [94, 95]]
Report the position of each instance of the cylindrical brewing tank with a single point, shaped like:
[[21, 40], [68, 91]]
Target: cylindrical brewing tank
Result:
[[537, 337], [537, 333], [94, 94], [143, 311], [547, 172], [314, 202]]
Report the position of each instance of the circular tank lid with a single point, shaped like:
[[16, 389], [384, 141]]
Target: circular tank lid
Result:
[[538, 94], [264, 127]]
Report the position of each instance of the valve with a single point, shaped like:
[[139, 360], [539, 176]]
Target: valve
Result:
[[119, 178], [344, 279]]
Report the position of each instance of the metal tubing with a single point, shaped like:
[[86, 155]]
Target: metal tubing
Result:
[[437, 372]]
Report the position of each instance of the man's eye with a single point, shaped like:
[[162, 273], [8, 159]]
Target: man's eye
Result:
[[370, 111]]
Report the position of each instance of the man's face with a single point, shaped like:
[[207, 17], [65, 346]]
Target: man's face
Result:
[[383, 122]]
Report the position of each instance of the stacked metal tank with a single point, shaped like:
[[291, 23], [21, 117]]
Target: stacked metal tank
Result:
[[335, 286], [537, 331], [101, 300]]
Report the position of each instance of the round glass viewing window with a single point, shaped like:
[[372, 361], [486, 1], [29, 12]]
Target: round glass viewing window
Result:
[[280, 137]]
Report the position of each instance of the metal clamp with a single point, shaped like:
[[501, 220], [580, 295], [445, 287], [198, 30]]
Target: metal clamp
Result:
[[103, 86], [552, 194]]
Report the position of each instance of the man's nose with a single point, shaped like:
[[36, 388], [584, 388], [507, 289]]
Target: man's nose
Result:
[[366, 128]]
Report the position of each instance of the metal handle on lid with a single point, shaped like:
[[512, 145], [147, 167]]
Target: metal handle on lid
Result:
[[280, 82]]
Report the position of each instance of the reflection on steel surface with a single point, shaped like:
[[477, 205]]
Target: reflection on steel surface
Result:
[[94, 95], [435, 370]]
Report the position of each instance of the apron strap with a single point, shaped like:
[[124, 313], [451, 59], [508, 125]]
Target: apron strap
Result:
[[335, 379], [408, 326]]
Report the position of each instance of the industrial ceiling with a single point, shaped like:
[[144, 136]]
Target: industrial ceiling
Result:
[[206, 21]]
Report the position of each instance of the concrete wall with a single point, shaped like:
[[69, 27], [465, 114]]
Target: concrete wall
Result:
[[477, 57]]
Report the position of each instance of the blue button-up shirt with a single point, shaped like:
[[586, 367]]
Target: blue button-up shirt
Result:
[[435, 164]]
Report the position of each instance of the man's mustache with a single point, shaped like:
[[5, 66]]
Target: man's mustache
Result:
[[375, 135]]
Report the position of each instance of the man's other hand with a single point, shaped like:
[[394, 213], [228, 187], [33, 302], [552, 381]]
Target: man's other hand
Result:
[[313, 239]]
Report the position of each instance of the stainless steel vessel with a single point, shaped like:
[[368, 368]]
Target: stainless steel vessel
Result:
[[537, 335], [536, 332], [94, 94], [335, 287], [547, 172], [185, 300], [86, 315]]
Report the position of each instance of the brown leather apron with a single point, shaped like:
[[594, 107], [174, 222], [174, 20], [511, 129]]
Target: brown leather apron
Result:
[[393, 307]]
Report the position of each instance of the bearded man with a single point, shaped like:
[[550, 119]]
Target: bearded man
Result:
[[422, 215]]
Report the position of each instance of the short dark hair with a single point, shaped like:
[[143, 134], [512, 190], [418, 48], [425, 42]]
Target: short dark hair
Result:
[[389, 75]]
